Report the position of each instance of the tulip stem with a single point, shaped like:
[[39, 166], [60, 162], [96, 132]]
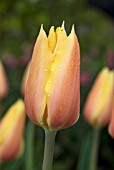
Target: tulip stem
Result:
[[49, 149], [29, 146], [94, 149]]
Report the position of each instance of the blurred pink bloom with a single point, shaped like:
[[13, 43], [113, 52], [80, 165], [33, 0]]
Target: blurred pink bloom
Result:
[[1, 109], [27, 52], [24, 61], [86, 59], [94, 52], [85, 78], [27, 49], [110, 59], [11, 61]]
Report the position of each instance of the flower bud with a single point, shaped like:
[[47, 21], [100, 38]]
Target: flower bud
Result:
[[52, 93], [11, 130], [97, 109], [3, 82]]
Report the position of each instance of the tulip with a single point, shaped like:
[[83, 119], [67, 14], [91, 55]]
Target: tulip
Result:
[[97, 109], [24, 79], [11, 130], [52, 93], [3, 82], [111, 124]]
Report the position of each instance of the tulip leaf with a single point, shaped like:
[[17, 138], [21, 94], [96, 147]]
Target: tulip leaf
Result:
[[84, 156]]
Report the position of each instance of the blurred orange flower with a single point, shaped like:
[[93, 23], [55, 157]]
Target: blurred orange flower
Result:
[[97, 109], [11, 130]]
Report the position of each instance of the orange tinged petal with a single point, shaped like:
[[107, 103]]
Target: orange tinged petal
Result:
[[35, 97]]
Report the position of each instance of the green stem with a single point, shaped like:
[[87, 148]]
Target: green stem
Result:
[[0, 165], [49, 150], [29, 146], [94, 149]]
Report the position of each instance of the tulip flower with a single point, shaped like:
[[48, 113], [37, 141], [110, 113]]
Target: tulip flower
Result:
[[11, 130], [111, 124], [97, 108], [3, 82], [52, 93], [53, 88], [24, 79]]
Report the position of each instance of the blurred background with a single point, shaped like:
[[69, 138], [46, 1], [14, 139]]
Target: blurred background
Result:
[[20, 22]]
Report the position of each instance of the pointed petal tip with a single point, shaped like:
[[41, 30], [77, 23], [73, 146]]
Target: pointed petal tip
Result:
[[52, 29], [41, 28], [73, 29], [42, 31], [63, 25], [72, 33]]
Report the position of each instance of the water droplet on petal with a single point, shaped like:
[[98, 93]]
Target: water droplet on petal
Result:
[[48, 95], [53, 69], [45, 69]]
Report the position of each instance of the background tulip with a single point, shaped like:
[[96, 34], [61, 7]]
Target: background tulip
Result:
[[52, 94], [11, 130], [3, 82], [97, 108], [97, 111]]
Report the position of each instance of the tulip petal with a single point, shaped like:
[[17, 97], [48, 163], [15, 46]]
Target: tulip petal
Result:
[[62, 87], [52, 39], [35, 96]]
